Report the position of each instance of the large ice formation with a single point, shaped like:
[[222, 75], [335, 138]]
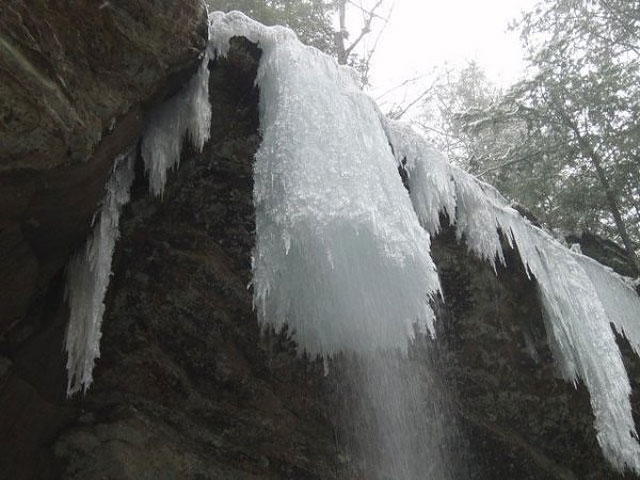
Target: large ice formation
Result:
[[340, 255], [343, 249]]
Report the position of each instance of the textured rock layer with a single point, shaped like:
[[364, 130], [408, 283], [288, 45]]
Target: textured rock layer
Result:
[[75, 80]]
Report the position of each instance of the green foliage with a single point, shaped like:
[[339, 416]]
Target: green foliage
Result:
[[310, 19]]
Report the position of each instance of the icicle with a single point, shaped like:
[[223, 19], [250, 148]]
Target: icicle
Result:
[[340, 255], [430, 183], [580, 297], [88, 278], [187, 113], [476, 216], [619, 298]]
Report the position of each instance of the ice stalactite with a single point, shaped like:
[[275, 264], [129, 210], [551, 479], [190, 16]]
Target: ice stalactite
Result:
[[88, 275], [188, 113], [340, 255], [581, 298], [428, 174], [620, 300]]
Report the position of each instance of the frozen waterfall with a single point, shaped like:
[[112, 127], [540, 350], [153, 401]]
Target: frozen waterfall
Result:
[[343, 249]]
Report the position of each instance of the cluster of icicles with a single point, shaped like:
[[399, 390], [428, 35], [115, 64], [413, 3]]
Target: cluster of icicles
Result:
[[342, 250]]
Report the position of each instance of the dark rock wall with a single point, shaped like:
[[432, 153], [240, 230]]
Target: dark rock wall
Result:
[[521, 420], [75, 79]]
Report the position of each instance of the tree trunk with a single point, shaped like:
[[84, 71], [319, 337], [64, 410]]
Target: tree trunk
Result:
[[341, 34], [596, 160], [612, 201]]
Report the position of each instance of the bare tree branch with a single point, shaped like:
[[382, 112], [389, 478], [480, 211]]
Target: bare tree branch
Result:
[[367, 12], [366, 29], [399, 114], [399, 86]]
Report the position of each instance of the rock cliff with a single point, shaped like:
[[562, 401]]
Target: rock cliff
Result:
[[187, 386]]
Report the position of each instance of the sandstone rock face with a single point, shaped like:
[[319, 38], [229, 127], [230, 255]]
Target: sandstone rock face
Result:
[[75, 79]]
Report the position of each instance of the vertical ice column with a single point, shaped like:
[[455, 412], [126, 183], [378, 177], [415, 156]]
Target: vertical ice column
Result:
[[88, 275], [188, 113]]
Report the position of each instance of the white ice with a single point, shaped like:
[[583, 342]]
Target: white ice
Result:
[[340, 254], [580, 297], [188, 113], [88, 275], [619, 297], [430, 181]]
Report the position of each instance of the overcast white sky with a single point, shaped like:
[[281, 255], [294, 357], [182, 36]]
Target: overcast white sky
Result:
[[424, 34]]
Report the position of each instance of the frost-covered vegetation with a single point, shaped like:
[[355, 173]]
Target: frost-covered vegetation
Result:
[[343, 250]]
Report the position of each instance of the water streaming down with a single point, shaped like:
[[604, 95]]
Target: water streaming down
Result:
[[396, 419], [343, 252]]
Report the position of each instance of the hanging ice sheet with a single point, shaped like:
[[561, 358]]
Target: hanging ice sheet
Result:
[[340, 254], [581, 298]]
